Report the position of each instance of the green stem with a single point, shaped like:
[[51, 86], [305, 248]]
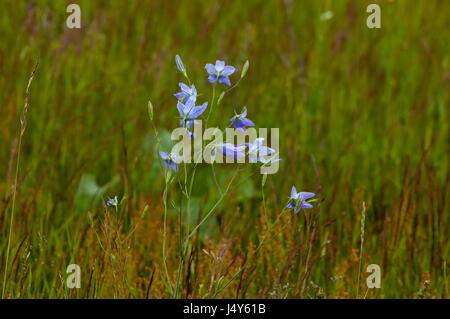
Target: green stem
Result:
[[165, 236], [12, 216]]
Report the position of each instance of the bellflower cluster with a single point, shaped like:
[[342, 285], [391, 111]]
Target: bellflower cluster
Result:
[[189, 112]]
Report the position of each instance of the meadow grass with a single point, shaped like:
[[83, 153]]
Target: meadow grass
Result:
[[363, 117]]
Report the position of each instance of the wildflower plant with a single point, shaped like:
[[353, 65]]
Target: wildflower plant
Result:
[[184, 175]]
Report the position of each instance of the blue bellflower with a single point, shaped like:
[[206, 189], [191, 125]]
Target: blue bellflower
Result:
[[297, 201], [169, 160], [257, 152], [240, 121], [231, 150], [112, 202], [188, 110], [219, 72], [186, 92], [188, 124]]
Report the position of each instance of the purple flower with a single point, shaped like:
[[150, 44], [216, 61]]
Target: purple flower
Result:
[[179, 64], [240, 121], [188, 110], [257, 152], [297, 201], [231, 150], [186, 92], [187, 124], [112, 202], [169, 160], [219, 72]]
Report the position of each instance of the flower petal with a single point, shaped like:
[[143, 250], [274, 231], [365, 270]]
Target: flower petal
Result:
[[306, 205], [184, 87], [237, 123], [228, 70], [211, 69], [306, 195], [224, 79], [173, 165], [163, 155], [180, 96], [220, 65], [231, 150], [264, 151], [247, 122], [244, 112], [212, 78], [293, 192], [181, 108], [197, 111]]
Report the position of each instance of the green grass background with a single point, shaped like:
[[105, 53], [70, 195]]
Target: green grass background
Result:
[[363, 117]]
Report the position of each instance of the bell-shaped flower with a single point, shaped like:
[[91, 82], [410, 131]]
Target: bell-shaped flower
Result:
[[257, 151], [188, 110], [240, 121], [297, 201], [112, 202], [169, 160], [231, 150], [219, 72], [186, 92]]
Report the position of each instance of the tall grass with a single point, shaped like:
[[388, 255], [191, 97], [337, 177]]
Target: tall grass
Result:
[[363, 117]]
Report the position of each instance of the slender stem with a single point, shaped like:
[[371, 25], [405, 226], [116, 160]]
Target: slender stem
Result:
[[363, 219], [193, 232], [12, 215], [212, 105], [308, 238], [215, 178], [263, 200], [214, 207], [270, 229], [188, 207], [16, 174], [165, 236]]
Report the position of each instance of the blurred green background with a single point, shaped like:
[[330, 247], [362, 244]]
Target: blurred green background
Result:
[[363, 117]]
